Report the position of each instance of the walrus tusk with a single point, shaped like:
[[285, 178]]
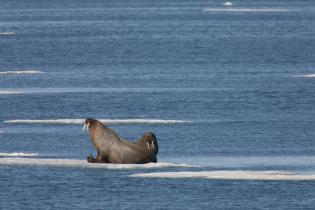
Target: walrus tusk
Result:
[[85, 126], [152, 144], [148, 145]]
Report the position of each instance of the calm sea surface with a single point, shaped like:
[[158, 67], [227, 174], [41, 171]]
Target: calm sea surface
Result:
[[237, 83]]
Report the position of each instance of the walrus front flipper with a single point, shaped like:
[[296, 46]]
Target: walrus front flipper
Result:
[[90, 159], [99, 158]]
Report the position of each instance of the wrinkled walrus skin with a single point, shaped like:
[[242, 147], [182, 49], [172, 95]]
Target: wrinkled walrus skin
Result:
[[112, 149]]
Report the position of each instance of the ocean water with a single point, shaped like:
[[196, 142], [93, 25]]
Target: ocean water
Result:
[[229, 92]]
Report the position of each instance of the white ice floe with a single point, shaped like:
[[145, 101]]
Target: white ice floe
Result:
[[58, 90], [20, 72], [228, 4], [246, 161], [83, 163], [230, 175], [305, 75], [17, 154], [7, 33], [10, 92], [106, 121], [246, 10]]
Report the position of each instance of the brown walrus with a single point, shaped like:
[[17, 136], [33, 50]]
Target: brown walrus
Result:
[[112, 149]]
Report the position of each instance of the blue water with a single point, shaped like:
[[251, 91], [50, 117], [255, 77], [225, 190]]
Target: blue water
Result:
[[242, 79]]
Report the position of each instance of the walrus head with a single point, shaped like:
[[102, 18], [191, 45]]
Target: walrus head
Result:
[[98, 129], [100, 135], [90, 124], [94, 127]]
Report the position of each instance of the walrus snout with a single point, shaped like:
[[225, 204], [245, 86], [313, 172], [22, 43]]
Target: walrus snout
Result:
[[87, 124]]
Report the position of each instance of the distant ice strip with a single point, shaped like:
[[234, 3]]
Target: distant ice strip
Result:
[[246, 161], [83, 163], [41, 90], [230, 175], [106, 121], [305, 75], [228, 4], [10, 92], [20, 72], [8, 33], [246, 10], [17, 154]]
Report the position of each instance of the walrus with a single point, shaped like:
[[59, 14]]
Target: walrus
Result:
[[111, 148]]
